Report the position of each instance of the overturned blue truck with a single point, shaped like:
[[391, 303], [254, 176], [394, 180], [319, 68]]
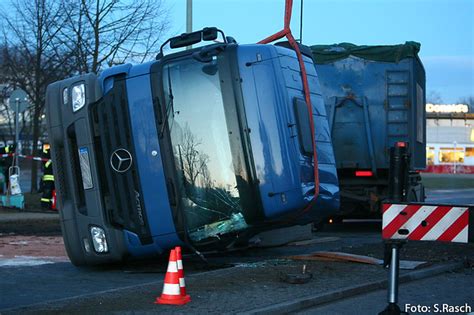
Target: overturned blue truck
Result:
[[208, 147], [203, 147]]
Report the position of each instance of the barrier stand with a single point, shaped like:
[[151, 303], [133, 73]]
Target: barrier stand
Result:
[[392, 259]]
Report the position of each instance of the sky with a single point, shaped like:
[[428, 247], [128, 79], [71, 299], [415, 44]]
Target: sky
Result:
[[445, 29]]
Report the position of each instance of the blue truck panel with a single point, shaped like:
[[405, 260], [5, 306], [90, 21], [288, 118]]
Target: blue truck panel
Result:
[[373, 106], [150, 165], [387, 98], [284, 173]]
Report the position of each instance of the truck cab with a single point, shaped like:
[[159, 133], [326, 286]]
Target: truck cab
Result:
[[204, 147]]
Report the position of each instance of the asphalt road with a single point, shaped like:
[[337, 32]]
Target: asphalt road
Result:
[[28, 284], [24, 285], [427, 296]]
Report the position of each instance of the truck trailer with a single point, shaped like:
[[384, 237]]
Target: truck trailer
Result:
[[204, 147], [375, 100]]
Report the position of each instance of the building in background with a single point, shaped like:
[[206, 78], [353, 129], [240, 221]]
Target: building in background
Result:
[[450, 139]]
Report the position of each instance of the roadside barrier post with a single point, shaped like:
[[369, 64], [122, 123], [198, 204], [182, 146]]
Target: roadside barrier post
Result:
[[392, 297], [420, 222]]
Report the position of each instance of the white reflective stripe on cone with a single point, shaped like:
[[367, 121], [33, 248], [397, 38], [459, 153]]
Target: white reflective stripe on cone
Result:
[[180, 264], [171, 289], [181, 282], [172, 266]]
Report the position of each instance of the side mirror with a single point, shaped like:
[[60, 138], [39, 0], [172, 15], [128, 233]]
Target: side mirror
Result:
[[185, 39], [209, 33]]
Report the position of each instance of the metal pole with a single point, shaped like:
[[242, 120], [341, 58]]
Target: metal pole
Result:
[[189, 18], [17, 134], [392, 296], [301, 22], [393, 276]]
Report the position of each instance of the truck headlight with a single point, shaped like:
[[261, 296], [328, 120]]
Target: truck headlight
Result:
[[99, 240], [78, 97]]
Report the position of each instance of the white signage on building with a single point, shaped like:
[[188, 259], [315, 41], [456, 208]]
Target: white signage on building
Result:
[[446, 108]]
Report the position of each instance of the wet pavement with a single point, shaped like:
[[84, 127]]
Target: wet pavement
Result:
[[36, 277], [232, 282], [433, 295]]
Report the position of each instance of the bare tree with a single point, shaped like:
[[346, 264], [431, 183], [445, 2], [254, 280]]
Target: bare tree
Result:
[[6, 116], [434, 97], [194, 162], [469, 101], [48, 40], [32, 57], [107, 32]]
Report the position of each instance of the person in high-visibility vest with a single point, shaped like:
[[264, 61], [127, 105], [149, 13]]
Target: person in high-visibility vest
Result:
[[6, 162], [47, 198]]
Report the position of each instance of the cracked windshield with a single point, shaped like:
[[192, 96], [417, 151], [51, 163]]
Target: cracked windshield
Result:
[[201, 148]]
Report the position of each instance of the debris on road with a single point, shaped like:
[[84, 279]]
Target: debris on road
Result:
[[316, 240], [340, 256], [297, 278], [28, 261]]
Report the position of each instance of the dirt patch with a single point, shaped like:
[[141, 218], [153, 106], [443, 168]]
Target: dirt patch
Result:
[[34, 246], [29, 222]]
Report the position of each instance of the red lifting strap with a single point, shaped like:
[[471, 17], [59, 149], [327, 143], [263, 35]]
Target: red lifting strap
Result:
[[287, 32]]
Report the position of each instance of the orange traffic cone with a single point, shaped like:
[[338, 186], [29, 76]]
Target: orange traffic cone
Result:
[[171, 289], [182, 284]]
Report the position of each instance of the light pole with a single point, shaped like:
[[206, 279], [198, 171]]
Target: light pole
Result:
[[189, 18], [301, 22]]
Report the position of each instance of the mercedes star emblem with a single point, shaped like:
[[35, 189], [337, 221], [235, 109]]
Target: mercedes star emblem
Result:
[[121, 160]]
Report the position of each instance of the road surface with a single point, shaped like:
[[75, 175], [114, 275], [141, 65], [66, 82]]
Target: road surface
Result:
[[230, 283]]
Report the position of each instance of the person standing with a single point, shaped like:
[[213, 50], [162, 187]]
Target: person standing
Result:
[[47, 198], [5, 164]]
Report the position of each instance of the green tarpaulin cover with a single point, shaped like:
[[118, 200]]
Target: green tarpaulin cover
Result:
[[387, 53]]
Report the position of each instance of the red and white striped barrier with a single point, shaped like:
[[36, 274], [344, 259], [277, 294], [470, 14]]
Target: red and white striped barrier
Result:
[[420, 222], [28, 157], [35, 158], [424, 222]]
